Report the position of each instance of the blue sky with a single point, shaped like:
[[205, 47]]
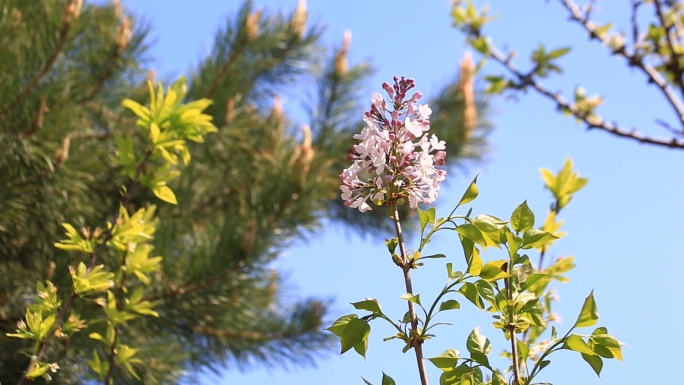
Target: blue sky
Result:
[[625, 227]]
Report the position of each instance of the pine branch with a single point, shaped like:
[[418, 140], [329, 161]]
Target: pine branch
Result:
[[71, 11], [121, 41]]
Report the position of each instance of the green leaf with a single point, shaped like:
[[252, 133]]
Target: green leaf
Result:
[[556, 53], [446, 361], [138, 109], [480, 44], [475, 265], [589, 314], [94, 281], [453, 274], [356, 331], [411, 298], [532, 279], [477, 343], [605, 345], [496, 84], [387, 380], [337, 328], [498, 222], [391, 244], [450, 304], [433, 256], [424, 219], [453, 377], [549, 178], [494, 270], [595, 362], [472, 255], [469, 291], [513, 241], [523, 350], [164, 193], [470, 193], [472, 232], [490, 231], [369, 304], [536, 238], [485, 290], [566, 182], [576, 343], [99, 337], [98, 366], [362, 346], [522, 218]]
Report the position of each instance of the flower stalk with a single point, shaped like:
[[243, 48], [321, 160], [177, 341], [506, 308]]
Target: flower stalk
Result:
[[415, 339]]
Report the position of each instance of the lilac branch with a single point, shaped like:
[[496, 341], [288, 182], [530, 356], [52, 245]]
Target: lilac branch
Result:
[[406, 266]]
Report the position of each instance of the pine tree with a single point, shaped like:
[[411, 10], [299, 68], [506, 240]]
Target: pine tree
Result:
[[251, 189]]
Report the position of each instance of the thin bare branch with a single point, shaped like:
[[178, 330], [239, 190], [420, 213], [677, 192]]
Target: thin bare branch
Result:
[[634, 60], [672, 63], [635, 21], [592, 122]]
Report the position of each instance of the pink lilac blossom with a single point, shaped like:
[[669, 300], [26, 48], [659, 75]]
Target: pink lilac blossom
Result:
[[394, 157]]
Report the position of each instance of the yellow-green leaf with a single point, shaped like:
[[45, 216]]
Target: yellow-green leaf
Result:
[[589, 314], [166, 194]]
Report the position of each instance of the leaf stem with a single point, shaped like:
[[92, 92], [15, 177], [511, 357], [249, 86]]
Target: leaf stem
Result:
[[416, 340]]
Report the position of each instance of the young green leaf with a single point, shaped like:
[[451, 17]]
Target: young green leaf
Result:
[[470, 193], [411, 298], [595, 362], [446, 361], [387, 380], [477, 343], [164, 193], [556, 53], [433, 256], [369, 304], [523, 350], [337, 328], [494, 270], [576, 343], [424, 218], [392, 244], [537, 238], [356, 331], [522, 218], [469, 290], [589, 314], [450, 304]]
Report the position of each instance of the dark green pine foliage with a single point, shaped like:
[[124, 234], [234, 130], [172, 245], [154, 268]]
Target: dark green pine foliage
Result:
[[255, 186]]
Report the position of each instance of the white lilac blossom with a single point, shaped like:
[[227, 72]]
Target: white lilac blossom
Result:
[[394, 158]]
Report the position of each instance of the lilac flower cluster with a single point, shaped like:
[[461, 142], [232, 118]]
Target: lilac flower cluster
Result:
[[394, 157]]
